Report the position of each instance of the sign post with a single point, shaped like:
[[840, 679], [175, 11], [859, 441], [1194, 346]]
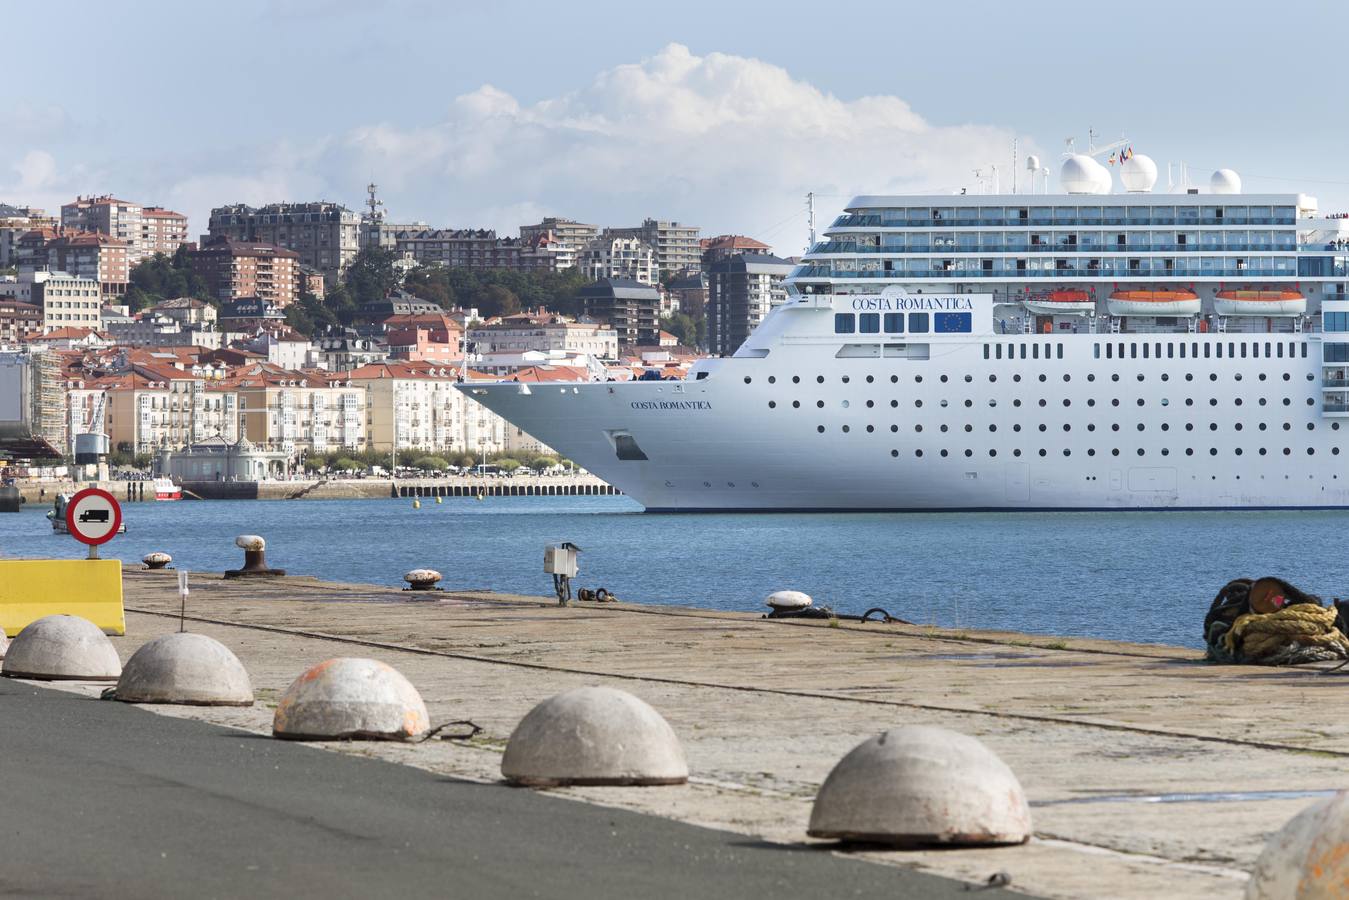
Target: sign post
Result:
[[93, 517]]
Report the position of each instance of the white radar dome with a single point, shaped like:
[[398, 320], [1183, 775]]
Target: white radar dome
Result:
[[1225, 181], [1104, 183], [1033, 163], [1139, 174], [1078, 175]]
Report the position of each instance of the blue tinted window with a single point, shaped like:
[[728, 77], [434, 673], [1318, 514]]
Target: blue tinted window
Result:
[[844, 323], [869, 323], [1336, 321], [1333, 352], [953, 323], [894, 323], [918, 323]]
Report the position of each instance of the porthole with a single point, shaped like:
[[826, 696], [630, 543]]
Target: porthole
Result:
[[1165, 452], [1114, 451], [1311, 451], [1114, 377], [1140, 377], [944, 404], [870, 404], [1165, 402], [992, 428], [1334, 426], [871, 379], [1067, 427], [1140, 426], [1189, 376], [1237, 377], [1238, 451], [1043, 426], [796, 379], [1237, 426], [1091, 377], [1091, 401], [1286, 376], [1287, 426], [1189, 426], [1043, 452], [918, 379], [992, 453], [1091, 451], [969, 378], [1140, 401], [796, 404], [1237, 401], [1166, 426], [969, 403], [1287, 452], [1016, 426], [1189, 451], [1212, 451], [819, 404], [772, 379], [1263, 426], [895, 428], [1213, 376], [1017, 402], [1067, 452], [944, 453], [945, 428], [1114, 426], [968, 428], [992, 378], [1212, 426], [1016, 378], [772, 405], [1042, 377], [1140, 451], [1165, 377], [1334, 451], [1310, 377], [1311, 402], [1262, 451], [917, 453], [846, 379], [1262, 376], [870, 428], [1016, 452], [1287, 402], [1213, 401], [992, 403], [1067, 378], [748, 379], [1189, 401], [944, 379], [819, 379], [1042, 402], [1115, 402], [917, 428], [969, 453], [1262, 401], [1091, 426], [820, 429], [896, 453], [894, 379], [846, 404], [1067, 402]]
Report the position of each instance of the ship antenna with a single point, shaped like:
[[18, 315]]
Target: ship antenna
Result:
[[1013, 165], [810, 218]]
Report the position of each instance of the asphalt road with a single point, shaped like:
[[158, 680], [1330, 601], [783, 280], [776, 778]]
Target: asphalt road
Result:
[[101, 799]]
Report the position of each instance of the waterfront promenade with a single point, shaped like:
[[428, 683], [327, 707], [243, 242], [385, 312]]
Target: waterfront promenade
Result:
[[1149, 772], [44, 492]]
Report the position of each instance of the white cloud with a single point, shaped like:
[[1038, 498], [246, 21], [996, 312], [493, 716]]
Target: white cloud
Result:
[[727, 142]]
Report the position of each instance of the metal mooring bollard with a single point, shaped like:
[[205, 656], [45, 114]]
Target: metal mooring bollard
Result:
[[156, 560], [422, 580], [255, 558]]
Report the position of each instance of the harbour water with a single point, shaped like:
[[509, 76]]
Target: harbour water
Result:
[[1128, 576]]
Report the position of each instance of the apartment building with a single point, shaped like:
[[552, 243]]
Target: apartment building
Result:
[[156, 407], [416, 405], [570, 237], [15, 222], [741, 289], [327, 236], [677, 247], [18, 321], [476, 248], [145, 230], [234, 269], [618, 257], [300, 412], [724, 246], [92, 255], [630, 308], [66, 300]]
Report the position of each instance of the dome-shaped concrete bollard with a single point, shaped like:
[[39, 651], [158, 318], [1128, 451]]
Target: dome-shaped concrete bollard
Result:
[[255, 558], [62, 648], [185, 668], [594, 735], [422, 579], [156, 560], [1308, 859], [788, 600], [350, 698], [921, 785]]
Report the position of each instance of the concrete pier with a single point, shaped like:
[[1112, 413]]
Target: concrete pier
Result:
[[1149, 772]]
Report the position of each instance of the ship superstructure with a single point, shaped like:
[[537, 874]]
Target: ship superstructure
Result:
[[1085, 350]]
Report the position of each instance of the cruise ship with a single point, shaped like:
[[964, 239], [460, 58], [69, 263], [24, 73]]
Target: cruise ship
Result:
[[1107, 347]]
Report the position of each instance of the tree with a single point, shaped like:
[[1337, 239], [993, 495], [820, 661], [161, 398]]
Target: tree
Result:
[[682, 327], [498, 300], [543, 463], [506, 464], [431, 463], [371, 275], [162, 278]]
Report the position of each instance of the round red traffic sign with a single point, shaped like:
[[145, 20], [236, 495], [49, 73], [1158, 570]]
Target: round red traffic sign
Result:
[[93, 516]]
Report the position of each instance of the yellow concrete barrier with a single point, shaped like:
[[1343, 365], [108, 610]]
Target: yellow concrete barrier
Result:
[[89, 588]]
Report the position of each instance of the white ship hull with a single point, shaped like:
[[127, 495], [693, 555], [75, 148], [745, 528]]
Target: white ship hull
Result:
[[716, 444]]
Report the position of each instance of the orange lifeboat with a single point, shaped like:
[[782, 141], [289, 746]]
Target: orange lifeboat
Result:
[[1259, 303], [1174, 302], [1065, 302]]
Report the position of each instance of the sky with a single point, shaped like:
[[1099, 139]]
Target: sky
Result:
[[720, 114]]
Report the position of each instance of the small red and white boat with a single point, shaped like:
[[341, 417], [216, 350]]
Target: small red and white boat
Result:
[[1175, 302], [1061, 303], [165, 489], [1259, 303]]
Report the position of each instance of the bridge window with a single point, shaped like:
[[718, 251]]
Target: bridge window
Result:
[[844, 323], [869, 323], [918, 322], [894, 323]]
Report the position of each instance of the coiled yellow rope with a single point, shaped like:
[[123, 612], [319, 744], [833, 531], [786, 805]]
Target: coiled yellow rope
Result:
[[1257, 635]]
